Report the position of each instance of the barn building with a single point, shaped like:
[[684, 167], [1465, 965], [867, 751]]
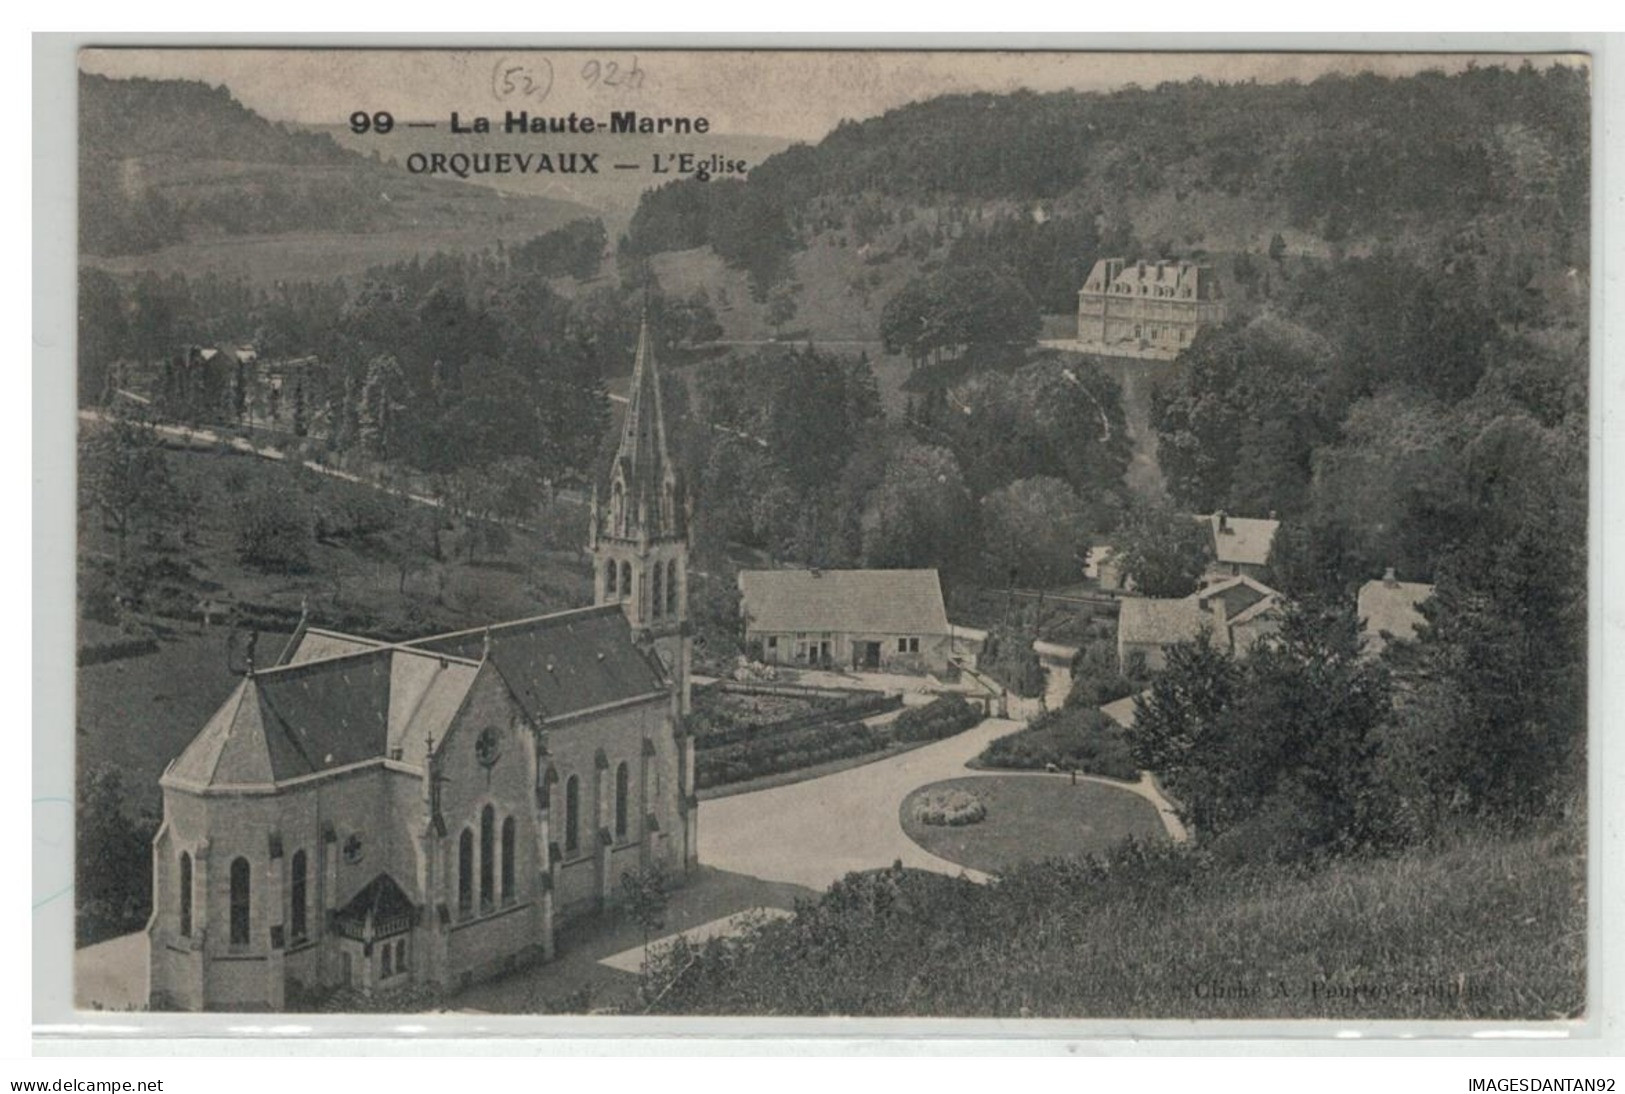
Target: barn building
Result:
[[877, 620]]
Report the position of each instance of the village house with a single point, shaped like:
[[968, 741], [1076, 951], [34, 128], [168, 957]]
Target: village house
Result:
[[1235, 614], [891, 620], [1389, 610], [371, 815], [1238, 547], [1241, 545], [1147, 309]]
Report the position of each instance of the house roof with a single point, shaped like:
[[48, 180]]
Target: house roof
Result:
[[563, 663], [1244, 540], [1141, 620], [1121, 711], [1389, 610], [342, 700], [848, 601]]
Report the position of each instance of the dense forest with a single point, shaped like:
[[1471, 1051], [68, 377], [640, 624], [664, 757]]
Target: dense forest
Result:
[[1343, 161]]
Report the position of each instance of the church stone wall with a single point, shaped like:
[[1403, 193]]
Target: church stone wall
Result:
[[488, 937]]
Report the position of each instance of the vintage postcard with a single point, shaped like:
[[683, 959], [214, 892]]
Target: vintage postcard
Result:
[[877, 533]]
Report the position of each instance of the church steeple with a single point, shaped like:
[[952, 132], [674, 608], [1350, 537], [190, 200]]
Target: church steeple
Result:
[[639, 540]]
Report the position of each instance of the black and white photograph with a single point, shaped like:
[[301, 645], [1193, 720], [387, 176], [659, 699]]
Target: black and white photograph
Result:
[[655, 533]]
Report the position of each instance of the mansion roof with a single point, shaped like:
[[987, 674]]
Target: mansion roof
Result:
[[906, 602]]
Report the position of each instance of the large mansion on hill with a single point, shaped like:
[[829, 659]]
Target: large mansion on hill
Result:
[[1147, 309]]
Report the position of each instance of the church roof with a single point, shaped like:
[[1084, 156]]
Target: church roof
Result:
[[366, 700], [381, 907], [642, 458], [563, 663], [905, 602], [320, 715]]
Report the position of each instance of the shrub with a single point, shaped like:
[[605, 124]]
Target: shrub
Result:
[[1009, 658], [940, 718], [1070, 739], [783, 752], [950, 808]]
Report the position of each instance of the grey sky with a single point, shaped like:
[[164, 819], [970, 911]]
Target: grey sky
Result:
[[791, 94]]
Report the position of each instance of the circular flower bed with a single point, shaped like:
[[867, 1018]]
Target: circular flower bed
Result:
[[950, 808]]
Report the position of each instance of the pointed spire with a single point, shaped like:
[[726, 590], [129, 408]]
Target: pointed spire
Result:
[[643, 457]]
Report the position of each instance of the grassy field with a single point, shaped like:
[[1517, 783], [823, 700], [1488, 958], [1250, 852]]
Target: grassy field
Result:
[[1485, 927], [1030, 818]]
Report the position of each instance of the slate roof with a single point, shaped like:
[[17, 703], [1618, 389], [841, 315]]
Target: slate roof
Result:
[[563, 663], [1246, 540], [907, 602], [315, 716], [1389, 611], [1141, 620], [368, 700]]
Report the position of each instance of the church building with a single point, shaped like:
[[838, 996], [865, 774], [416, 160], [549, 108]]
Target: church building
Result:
[[369, 815]]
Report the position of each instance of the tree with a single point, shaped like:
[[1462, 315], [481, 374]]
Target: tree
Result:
[[1036, 528], [126, 478], [383, 400], [112, 863], [1255, 774], [781, 304], [955, 309], [920, 515], [274, 530], [1165, 552]]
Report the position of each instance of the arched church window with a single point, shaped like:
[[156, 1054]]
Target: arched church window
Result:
[[239, 902], [507, 860], [671, 587], [572, 813], [296, 891], [658, 598], [465, 872], [609, 580], [186, 895], [488, 833], [626, 580], [623, 791]]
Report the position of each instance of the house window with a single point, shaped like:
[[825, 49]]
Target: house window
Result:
[[488, 832], [465, 872], [296, 890], [671, 587], [186, 895], [507, 861], [572, 814], [623, 790], [773, 642], [239, 902], [913, 645], [902, 645]]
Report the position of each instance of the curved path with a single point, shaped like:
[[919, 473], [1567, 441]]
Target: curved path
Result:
[[814, 833]]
